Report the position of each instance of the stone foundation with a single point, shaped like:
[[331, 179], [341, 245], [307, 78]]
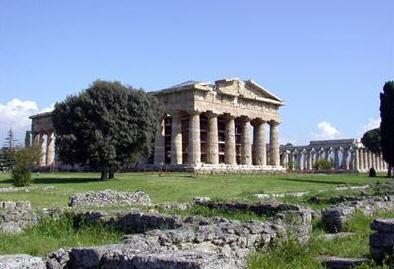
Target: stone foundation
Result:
[[210, 169]]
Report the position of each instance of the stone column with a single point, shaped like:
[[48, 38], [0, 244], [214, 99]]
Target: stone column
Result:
[[285, 158], [317, 155], [336, 158], [36, 138], [213, 139], [309, 161], [43, 144], [292, 159], [356, 160], [345, 161], [230, 154], [51, 148], [297, 165], [159, 156], [327, 154], [274, 143], [246, 148], [259, 143], [176, 139], [194, 138], [365, 153], [370, 164], [351, 161], [361, 159]]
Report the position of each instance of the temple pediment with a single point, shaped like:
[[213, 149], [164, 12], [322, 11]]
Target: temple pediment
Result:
[[246, 89]]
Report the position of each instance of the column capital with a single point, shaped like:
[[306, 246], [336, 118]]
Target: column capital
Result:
[[245, 119], [273, 123], [193, 112], [211, 114], [257, 121], [175, 114], [228, 116]]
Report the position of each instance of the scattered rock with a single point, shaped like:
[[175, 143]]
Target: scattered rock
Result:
[[200, 200], [341, 263], [16, 216], [335, 218], [329, 237], [173, 206], [381, 242], [21, 261], [109, 198]]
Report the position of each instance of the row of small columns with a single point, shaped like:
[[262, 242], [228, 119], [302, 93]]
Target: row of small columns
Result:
[[194, 150], [46, 140], [352, 159]]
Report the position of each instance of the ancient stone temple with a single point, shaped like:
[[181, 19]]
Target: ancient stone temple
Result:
[[344, 155], [207, 126], [43, 134], [218, 126]]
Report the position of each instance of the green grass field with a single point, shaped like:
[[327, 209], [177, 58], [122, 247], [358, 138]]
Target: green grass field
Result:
[[175, 187], [53, 190]]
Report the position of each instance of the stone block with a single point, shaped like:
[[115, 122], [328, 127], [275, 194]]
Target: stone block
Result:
[[21, 261], [381, 240], [383, 225]]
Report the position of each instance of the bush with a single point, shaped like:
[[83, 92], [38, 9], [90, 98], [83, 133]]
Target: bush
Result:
[[25, 160], [322, 165], [372, 172]]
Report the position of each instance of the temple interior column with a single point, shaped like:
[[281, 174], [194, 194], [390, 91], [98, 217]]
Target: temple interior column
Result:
[[176, 139], [230, 153], [274, 143], [213, 139], [159, 155], [246, 149], [51, 148], [259, 143], [194, 138]]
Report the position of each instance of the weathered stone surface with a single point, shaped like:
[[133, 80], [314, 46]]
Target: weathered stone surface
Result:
[[341, 263], [329, 237], [194, 242], [381, 239], [173, 206], [109, 198], [21, 261], [335, 218], [15, 216], [381, 242], [133, 221], [383, 225]]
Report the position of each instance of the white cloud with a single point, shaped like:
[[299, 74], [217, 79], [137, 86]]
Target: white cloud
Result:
[[15, 115], [325, 131], [371, 124]]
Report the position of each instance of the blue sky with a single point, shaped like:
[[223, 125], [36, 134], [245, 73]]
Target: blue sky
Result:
[[327, 59]]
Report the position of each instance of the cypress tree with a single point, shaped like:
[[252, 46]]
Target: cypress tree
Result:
[[387, 123]]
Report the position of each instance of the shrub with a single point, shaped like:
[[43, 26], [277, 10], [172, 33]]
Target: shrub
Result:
[[25, 160], [372, 172], [322, 165]]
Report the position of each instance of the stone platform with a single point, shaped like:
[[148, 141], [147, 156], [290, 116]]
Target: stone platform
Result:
[[211, 169]]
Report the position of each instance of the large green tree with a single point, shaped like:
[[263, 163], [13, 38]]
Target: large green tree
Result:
[[106, 126], [387, 123], [372, 140]]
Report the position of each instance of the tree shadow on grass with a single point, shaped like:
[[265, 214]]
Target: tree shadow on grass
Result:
[[60, 180], [313, 181]]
